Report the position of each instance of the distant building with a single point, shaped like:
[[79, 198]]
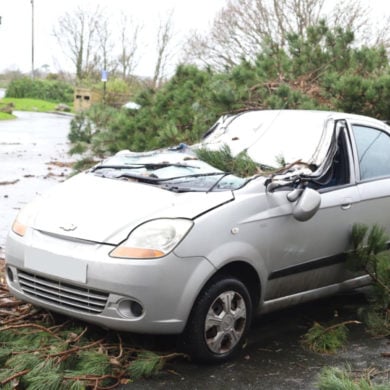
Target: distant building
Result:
[[84, 98]]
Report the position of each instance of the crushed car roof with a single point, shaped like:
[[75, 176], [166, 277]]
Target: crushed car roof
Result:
[[273, 136]]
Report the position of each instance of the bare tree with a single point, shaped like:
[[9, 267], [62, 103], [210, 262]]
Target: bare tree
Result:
[[164, 40], [381, 35], [243, 28], [354, 16], [129, 40], [104, 58], [77, 33]]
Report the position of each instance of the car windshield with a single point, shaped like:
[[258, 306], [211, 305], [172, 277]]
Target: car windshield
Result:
[[273, 139], [179, 171], [274, 136]]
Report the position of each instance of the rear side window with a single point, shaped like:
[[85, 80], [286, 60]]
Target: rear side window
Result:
[[373, 148]]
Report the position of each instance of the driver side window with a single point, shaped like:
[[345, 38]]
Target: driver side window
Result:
[[338, 173], [373, 148]]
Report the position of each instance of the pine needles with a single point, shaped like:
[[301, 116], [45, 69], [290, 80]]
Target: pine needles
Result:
[[329, 339], [332, 378], [241, 165], [370, 255], [38, 351], [147, 364]]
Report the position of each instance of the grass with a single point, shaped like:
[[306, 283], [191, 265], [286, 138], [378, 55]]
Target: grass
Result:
[[5, 116], [30, 104]]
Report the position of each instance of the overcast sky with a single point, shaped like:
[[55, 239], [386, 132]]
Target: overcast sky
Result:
[[15, 27], [16, 37]]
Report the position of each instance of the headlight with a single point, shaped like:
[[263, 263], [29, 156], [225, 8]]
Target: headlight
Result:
[[153, 239], [25, 217]]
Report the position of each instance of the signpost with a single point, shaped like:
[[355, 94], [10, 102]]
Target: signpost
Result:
[[104, 79], [32, 39]]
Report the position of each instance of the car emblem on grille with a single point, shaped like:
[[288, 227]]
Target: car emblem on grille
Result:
[[69, 228]]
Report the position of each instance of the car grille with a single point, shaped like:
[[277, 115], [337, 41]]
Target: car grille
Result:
[[62, 294]]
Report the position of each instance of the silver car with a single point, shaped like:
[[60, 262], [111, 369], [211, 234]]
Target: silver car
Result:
[[162, 242]]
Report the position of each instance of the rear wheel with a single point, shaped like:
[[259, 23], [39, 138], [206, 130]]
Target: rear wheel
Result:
[[219, 321]]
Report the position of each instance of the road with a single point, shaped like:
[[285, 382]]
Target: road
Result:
[[274, 358], [32, 150]]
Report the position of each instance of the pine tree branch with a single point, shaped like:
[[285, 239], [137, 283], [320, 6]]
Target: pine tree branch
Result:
[[30, 325], [8, 313], [10, 302], [20, 317], [330, 328], [75, 349], [77, 339], [96, 379], [377, 280], [35, 350], [120, 347], [12, 377], [59, 326]]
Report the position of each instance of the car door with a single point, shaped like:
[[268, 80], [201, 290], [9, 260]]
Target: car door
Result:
[[372, 155], [311, 254]]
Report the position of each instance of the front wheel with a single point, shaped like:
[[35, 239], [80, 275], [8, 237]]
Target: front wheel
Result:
[[219, 321]]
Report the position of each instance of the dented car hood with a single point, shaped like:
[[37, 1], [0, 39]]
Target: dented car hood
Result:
[[105, 204], [97, 209]]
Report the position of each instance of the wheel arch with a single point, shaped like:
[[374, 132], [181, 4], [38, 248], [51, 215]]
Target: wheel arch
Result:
[[244, 272], [192, 340]]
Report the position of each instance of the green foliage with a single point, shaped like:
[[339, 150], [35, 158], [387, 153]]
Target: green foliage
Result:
[[83, 164], [5, 116], [241, 165], [146, 364], [321, 69], [46, 374], [88, 125], [25, 104], [93, 362], [49, 90], [323, 339], [22, 362], [36, 352], [370, 255], [332, 378]]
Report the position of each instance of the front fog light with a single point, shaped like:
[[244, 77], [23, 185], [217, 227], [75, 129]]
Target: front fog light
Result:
[[128, 308]]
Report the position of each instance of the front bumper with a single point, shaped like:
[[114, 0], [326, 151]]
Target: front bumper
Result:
[[79, 279]]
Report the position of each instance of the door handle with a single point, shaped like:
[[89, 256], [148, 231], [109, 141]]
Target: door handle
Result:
[[347, 204]]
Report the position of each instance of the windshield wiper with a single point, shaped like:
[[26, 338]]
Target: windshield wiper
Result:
[[156, 180], [218, 181], [150, 166]]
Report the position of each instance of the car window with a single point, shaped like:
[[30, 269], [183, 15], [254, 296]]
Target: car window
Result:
[[338, 173], [373, 148]]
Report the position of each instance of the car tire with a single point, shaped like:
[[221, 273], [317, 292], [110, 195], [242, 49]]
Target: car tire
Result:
[[219, 321]]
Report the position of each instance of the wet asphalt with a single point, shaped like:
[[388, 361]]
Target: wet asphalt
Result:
[[32, 150], [274, 357]]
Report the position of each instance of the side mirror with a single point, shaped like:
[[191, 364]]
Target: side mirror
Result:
[[307, 205]]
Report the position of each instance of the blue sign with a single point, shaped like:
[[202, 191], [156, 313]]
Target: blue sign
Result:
[[104, 75]]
